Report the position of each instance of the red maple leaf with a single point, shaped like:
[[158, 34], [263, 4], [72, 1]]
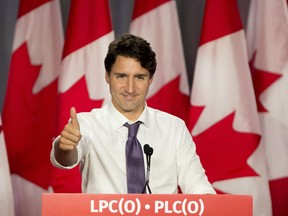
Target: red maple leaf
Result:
[[223, 150], [65, 181], [171, 100], [29, 121], [261, 81]]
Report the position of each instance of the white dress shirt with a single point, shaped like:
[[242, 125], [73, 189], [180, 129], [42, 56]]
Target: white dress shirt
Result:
[[101, 153]]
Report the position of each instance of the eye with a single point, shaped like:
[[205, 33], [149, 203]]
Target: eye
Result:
[[140, 77], [120, 76]]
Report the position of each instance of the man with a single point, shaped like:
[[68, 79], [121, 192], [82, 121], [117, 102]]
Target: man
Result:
[[97, 139]]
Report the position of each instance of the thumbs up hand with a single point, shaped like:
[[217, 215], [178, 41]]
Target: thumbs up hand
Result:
[[70, 135]]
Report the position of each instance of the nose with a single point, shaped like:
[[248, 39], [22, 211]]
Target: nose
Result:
[[130, 85]]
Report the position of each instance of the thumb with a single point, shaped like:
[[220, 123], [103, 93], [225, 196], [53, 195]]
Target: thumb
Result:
[[74, 119]]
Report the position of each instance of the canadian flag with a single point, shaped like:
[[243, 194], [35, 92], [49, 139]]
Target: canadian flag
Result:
[[6, 193], [157, 22], [82, 79], [267, 33], [30, 106], [223, 115]]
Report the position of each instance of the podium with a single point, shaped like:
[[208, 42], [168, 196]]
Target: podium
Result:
[[145, 204]]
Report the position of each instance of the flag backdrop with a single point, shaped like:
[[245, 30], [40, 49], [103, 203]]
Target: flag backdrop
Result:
[[223, 117], [82, 80], [222, 113], [267, 33], [29, 113], [6, 193], [157, 22]]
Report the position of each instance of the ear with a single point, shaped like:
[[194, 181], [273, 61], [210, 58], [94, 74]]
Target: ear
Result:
[[107, 77], [151, 80]]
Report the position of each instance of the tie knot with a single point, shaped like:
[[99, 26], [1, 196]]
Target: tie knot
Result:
[[132, 128]]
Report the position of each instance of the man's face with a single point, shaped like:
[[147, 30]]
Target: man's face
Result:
[[129, 84]]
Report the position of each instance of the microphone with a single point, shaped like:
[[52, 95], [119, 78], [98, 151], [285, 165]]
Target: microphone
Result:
[[148, 152]]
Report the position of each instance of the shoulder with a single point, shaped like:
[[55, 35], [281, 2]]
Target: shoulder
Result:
[[96, 113], [165, 117]]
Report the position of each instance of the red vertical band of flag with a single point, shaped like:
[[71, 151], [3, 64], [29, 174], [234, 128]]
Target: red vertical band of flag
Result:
[[143, 7], [29, 5], [83, 16], [216, 24]]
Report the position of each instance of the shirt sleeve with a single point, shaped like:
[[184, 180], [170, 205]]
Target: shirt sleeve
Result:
[[56, 163], [191, 174]]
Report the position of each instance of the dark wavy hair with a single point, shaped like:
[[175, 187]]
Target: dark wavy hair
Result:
[[131, 46]]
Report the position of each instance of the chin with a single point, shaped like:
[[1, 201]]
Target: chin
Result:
[[128, 108]]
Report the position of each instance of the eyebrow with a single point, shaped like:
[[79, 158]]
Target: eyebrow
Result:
[[137, 74]]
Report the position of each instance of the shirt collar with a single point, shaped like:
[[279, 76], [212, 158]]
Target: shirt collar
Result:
[[144, 117], [118, 120]]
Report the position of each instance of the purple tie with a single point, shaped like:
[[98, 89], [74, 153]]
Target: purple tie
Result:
[[134, 161]]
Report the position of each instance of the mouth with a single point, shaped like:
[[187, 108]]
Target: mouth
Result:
[[129, 97]]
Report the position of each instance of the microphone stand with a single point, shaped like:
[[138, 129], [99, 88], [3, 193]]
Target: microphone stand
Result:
[[148, 151]]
